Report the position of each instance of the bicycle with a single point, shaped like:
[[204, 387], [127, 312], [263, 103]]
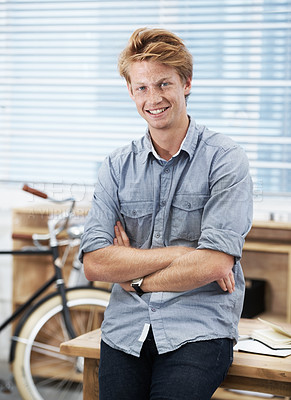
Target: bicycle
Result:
[[38, 367]]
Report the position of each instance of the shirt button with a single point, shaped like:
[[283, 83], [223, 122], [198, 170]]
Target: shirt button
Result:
[[163, 203], [153, 309], [167, 170], [157, 235]]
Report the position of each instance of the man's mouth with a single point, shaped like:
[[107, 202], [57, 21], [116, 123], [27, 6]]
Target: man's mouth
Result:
[[158, 111]]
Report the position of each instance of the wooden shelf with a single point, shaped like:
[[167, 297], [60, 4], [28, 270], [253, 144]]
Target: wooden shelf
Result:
[[271, 261], [277, 232]]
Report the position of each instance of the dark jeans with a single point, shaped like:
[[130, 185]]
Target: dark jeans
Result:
[[192, 372]]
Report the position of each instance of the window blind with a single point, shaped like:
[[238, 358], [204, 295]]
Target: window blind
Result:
[[63, 106]]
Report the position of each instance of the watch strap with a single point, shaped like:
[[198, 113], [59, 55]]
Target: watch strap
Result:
[[138, 289], [136, 284]]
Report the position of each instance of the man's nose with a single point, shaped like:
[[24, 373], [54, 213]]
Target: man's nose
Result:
[[154, 96]]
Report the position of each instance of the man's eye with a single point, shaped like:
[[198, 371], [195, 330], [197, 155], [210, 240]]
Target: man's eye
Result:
[[141, 88], [164, 84]]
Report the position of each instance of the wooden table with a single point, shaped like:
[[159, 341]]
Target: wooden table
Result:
[[251, 372], [259, 373]]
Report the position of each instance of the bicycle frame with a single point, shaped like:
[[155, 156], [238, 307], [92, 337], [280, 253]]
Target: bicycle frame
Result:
[[56, 226]]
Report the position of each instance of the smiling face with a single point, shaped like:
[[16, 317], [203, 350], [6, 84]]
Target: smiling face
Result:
[[159, 95]]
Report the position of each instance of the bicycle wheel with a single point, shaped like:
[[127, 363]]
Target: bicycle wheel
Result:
[[40, 371]]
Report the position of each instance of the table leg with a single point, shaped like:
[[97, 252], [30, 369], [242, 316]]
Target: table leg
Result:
[[90, 379]]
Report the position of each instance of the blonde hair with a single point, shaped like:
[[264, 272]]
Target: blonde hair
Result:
[[156, 45]]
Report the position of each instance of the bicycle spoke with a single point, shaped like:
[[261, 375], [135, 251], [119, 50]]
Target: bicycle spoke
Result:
[[41, 371]]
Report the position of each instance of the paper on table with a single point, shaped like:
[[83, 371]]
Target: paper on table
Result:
[[253, 346], [273, 336], [276, 327]]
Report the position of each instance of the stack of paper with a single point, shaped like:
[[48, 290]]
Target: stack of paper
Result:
[[273, 341], [253, 346], [274, 336]]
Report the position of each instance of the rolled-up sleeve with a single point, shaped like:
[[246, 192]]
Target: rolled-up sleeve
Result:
[[227, 215], [104, 212]]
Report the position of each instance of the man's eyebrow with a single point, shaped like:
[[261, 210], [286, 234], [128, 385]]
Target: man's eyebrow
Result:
[[166, 78]]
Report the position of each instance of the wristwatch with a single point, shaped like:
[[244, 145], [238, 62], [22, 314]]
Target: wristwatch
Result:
[[136, 284]]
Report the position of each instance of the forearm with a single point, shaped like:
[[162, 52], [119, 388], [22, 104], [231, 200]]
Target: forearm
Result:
[[121, 264], [190, 271]]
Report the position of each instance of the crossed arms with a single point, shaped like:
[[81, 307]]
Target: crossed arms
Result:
[[174, 268]]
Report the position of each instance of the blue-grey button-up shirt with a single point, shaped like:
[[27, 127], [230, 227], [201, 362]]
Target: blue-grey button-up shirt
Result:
[[202, 198]]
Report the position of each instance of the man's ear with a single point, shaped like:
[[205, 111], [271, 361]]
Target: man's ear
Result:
[[188, 86], [129, 88]]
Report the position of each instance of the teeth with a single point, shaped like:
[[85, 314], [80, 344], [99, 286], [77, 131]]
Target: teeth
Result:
[[157, 111]]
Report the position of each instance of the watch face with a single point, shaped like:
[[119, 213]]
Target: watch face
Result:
[[137, 281], [136, 284]]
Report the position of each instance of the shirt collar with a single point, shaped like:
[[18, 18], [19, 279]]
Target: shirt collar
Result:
[[188, 145]]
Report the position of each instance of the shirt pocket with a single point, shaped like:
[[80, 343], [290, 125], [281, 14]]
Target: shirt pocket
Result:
[[137, 217], [186, 218]]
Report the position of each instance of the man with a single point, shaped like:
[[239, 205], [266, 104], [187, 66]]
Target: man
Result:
[[167, 225]]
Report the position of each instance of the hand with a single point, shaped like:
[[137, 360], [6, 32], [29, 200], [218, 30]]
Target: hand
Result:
[[127, 286], [121, 238], [227, 283]]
